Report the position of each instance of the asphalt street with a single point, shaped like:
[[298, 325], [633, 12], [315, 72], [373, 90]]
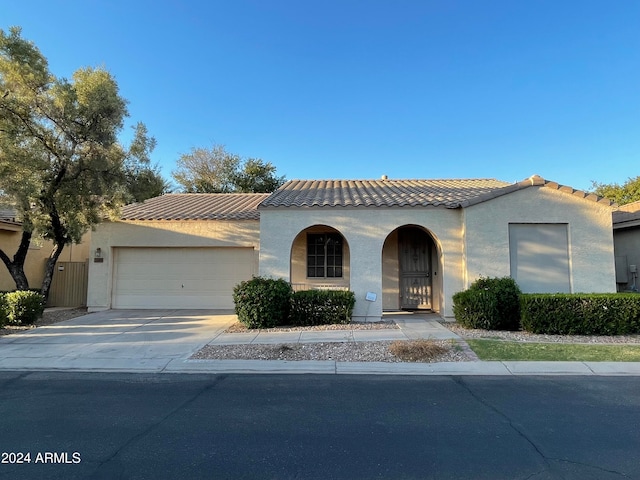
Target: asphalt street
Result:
[[116, 425]]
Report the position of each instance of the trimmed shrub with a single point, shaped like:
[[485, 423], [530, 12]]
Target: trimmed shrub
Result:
[[489, 304], [581, 313], [322, 307], [262, 302], [24, 307]]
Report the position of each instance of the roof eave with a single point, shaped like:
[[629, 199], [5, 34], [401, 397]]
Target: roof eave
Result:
[[538, 181], [10, 226], [626, 224]]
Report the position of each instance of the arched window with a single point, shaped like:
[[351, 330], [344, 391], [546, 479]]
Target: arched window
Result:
[[324, 255]]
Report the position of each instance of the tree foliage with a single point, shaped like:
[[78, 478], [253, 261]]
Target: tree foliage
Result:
[[145, 182], [621, 194], [61, 165], [215, 170], [257, 177]]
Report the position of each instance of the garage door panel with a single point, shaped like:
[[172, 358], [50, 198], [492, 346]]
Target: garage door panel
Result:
[[179, 277]]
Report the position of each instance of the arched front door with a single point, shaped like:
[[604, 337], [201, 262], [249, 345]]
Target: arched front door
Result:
[[414, 262]]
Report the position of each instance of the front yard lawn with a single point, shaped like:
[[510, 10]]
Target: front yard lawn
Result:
[[555, 352]]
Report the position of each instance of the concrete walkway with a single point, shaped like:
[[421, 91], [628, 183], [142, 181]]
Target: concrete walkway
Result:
[[161, 341]]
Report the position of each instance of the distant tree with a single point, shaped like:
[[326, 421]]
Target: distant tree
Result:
[[146, 182], [215, 170], [257, 177], [61, 165], [207, 170], [621, 194]]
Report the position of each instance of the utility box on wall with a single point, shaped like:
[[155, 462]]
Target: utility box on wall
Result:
[[622, 270]]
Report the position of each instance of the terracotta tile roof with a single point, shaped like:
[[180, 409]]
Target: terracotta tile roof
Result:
[[630, 207], [452, 193], [197, 206], [627, 215], [9, 215], [537, 180], [380, 193]]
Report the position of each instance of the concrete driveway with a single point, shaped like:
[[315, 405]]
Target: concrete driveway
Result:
[[131, 340]]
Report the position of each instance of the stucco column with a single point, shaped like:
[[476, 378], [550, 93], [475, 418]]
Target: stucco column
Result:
[[366, 278], [276, 238]]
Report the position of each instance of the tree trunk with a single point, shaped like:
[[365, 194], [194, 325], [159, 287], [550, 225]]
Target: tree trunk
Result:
[[49, 269], [16, 266]]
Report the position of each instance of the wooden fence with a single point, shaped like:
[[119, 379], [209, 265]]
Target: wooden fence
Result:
[[69, 285]]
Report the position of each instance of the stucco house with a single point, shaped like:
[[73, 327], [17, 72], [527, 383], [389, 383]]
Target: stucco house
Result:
[[398, 244], [626, 240], [69, 286]]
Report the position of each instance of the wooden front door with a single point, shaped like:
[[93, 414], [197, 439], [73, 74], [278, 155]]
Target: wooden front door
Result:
[[414, 248]]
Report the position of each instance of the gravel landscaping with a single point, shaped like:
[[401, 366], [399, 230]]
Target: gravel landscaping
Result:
[[336, 351], [538, 338], [385, 324]]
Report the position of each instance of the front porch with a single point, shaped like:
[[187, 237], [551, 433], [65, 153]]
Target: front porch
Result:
[[396, 266]]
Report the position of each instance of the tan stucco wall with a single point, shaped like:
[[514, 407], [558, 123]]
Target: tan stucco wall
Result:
[[591, 259], [201, 233], [627, 243], [365, 230], [390, 273], [37, 256]]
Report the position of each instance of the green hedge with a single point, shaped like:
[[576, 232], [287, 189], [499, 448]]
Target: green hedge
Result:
[[262, 302], [490, 304], [23, 307], [581, 314], [322, 307], [265, 302]]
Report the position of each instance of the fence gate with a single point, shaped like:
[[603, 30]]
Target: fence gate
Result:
[[69, 285]]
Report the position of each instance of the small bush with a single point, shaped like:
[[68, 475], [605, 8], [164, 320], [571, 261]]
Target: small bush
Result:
[[24, 307], [322, 307], [262, 302], [417, 350], [489, 304], [581, 314]]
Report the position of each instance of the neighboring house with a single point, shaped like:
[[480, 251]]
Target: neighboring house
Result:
[[398, 244], [626, 240], [72, 261]]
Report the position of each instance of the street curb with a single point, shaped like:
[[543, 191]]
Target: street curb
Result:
[[330, 367]]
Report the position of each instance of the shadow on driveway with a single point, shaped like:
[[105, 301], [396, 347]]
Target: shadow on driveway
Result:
[[139, 339]]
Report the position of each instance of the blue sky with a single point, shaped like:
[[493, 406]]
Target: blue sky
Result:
[[357, 89]]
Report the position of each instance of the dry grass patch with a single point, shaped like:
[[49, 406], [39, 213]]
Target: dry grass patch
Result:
[[417, 350]]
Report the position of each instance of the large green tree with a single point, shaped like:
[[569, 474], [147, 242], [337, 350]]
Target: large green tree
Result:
[[214, 170], [621, 194], [61, 164]]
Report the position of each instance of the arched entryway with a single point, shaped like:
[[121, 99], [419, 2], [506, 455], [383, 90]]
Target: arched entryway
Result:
[[410, 265], [320, 258]]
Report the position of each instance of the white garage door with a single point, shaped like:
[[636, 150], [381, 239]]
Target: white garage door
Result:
[[179, 277]]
